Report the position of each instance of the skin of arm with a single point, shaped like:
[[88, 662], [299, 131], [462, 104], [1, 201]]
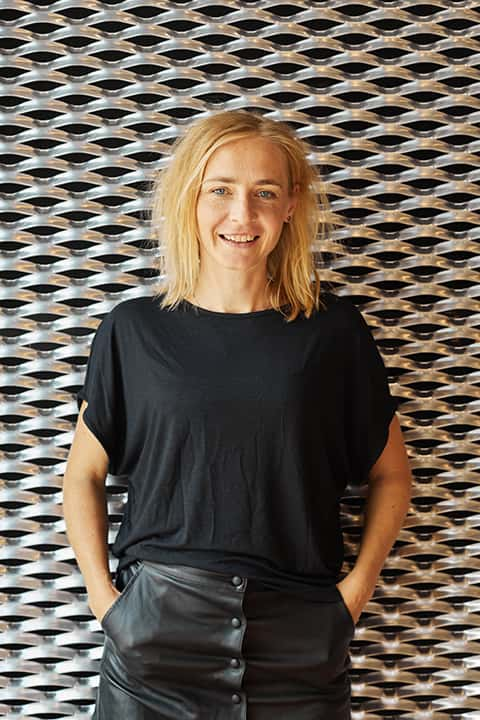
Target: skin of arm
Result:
[[86, 517], [390, 488]]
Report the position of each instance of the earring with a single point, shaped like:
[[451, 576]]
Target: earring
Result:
[[289, 217]]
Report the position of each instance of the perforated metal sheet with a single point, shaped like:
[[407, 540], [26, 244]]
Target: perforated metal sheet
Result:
[[92, 96]]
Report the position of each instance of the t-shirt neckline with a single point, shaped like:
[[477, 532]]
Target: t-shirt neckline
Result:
[[217, 313]]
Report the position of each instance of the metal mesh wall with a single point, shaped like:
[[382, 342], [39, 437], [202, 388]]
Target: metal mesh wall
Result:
[[93, 93]]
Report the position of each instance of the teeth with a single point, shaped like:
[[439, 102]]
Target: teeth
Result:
[[240, 238]]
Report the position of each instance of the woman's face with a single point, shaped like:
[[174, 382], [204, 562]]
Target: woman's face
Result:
[[243, 203]]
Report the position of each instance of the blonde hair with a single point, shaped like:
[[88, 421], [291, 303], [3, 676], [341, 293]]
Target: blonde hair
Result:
[[175, 192]]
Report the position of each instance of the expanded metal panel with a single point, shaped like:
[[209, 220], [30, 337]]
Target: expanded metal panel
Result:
[[387, 96]]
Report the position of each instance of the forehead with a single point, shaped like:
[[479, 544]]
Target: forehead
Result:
[[250, 155]]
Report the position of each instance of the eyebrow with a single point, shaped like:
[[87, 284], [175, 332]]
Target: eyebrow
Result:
[[263, 181]]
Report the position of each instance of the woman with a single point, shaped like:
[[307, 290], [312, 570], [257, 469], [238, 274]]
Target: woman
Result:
[[238, 403]]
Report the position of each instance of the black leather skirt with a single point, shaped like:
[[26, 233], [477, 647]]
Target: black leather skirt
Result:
[[184, 643]]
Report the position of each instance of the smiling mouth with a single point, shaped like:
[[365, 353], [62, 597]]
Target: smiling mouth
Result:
[[239, 239]]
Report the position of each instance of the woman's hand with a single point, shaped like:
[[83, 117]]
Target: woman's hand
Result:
[[355, 594], [102, 600]]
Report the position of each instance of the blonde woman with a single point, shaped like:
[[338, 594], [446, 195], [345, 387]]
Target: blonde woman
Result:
[[237, 402]]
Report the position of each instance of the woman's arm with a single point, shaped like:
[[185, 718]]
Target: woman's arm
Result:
[[85, 513], [388, 501]]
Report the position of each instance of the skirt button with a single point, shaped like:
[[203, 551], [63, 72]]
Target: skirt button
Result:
[[236, 622], [236, 698], [237, 580]]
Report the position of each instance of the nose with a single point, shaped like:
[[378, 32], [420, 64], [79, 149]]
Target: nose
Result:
[[242, 208]]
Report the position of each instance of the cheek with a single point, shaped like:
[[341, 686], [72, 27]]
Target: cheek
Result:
[[208, 214], [275, 217], [203, 218]]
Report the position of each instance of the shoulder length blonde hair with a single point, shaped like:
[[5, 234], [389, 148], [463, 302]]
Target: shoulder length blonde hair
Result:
[[175, 193]]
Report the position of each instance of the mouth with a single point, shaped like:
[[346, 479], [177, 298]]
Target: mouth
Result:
[[240, 240]]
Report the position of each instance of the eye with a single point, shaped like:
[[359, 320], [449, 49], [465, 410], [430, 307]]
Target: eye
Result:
[[219, 191], [267, 194]]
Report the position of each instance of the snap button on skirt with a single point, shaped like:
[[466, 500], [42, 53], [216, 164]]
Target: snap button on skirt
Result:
[[184, 643]]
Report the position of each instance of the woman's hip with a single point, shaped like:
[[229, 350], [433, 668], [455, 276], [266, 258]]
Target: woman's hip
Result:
[[202, 634]]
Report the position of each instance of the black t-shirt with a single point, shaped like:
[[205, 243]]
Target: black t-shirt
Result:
[[236, 434]]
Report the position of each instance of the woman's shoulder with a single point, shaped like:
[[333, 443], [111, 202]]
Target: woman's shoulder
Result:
[[132, 307], [129, 315], [343, 311], [334, 298], [331, 299]]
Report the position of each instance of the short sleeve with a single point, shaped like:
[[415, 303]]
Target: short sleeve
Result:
[[370, 404], [101, 389]]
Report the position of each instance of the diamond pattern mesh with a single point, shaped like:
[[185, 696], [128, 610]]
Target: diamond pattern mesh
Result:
[[93, 94]]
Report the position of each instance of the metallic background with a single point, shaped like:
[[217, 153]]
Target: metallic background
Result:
[[387, 95]]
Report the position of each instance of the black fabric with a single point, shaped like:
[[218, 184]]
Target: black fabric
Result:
[[237, 434]]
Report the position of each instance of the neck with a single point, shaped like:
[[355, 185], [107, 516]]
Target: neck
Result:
[[231, 303]]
